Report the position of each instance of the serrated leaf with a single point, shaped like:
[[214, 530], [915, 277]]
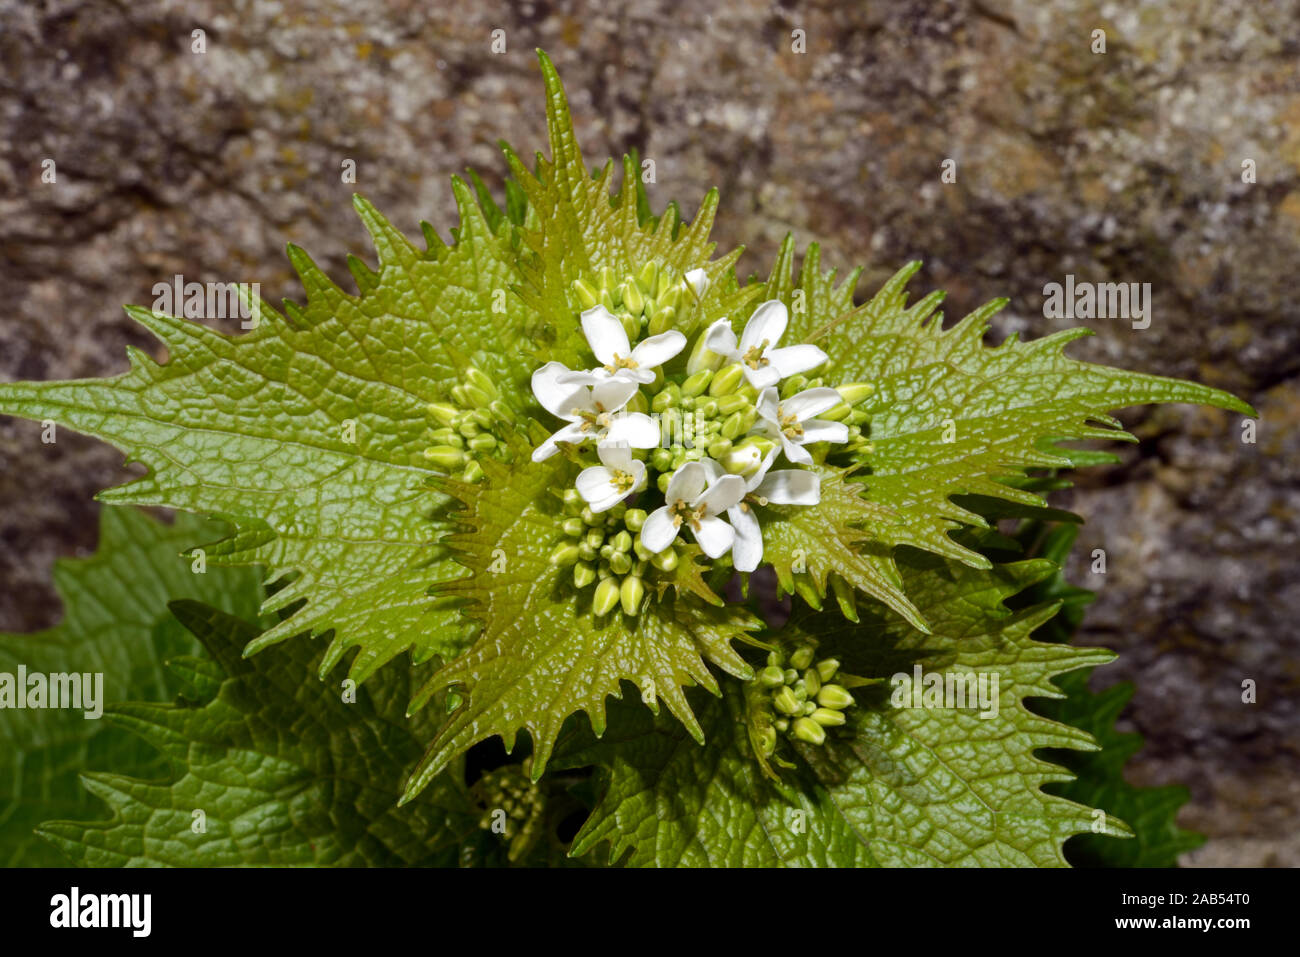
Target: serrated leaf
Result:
[[542, 655], [950, 416], [115, 624], [895, 786], [282, 771]]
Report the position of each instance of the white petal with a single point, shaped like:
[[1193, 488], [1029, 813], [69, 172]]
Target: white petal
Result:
[[795, 359], [605, 334], [714, 469], [769, 406], [819, 430], [594, 484], [697, 280], [639, 376], [657, 350], [556, 397], [747, 550], [755, 480], [762, 378], [635, 429], [795, 453], [714, 535], [616, 455], [810, 402], [721, 495], [658, 532], [584, 377], [687, 483], [570, 433], [791, 487], [720, 338], [767, 323], [612, 394]]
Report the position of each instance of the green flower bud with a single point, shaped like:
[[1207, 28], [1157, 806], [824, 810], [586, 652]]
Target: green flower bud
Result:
[[565, 554], [586, 295], [631, 593], [828, 718], [785, 701], [728, 404], [855, 392], [665, 561], [606, 550], [662, 320], [634, 518], [791, 676], [836, 412], [702, 357], [606, 597], [812, 681], [638, 402], [573, 527], [727, 380], [771, 677], [572, 499], [774, 659], [688, 403], [767, 741], [647, 276], [697, 383], [482, 381], [620, 563], [592, 518], [473, 473], [806, 729], [588, 553], [834, 696], [595, 537], [484, 442], [478, 398], [670, 297], [632, 326], [442, 412], [782, 724], [708, 408], [617, 294], [607, 300], [622, 542], [468, 428], [826, 668], [602, 570], [662, 460], [482, 417], [719, 447], [633, 299], [641, 552], [802, 657], [583, 575], [662, 481], [607, 278], [734, 425], [445, 457]]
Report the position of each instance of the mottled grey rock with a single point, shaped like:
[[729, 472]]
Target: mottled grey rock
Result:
[[1124, 166]]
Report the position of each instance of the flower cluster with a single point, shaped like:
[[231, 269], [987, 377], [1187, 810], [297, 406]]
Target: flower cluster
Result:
[[689, 437], [801, 698]]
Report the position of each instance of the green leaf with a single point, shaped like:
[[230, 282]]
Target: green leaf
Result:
[[895, 786], [541, 654], [950, 416], [272, 770], [308, 432], [115, 624]]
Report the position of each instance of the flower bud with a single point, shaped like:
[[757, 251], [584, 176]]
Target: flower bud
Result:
[[443, 412], [483, 382], [785, 701], [771, 677], [806, 729], [622, 542], [586, 295], [647, 276], [630, 594], [727, 380], [662, 320], [826, 668], [583, 575], [484, 442], [606, 597], [734, 425], [719, 447], [573, 526], [834, 696], [812, 681], [638, 402], [665, 561], [473, 473], [697, 383], [828, 718], [620, 563], [565, 553], [445, 457], [836, 413], [802, 657], [634, 518], [702, 357], [662, 482], [742, 461], [668, 298], [855, 392], [595, 537], [633, 299], [782, 724]]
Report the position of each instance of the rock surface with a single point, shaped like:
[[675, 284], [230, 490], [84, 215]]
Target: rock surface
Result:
[[1122, 166]]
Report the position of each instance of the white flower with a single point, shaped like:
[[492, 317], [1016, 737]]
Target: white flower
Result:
[[608, 340], [604, 486], [763, 363], [593, 412], [697, 283], [793, 424], [690, 501], [784, 487]]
